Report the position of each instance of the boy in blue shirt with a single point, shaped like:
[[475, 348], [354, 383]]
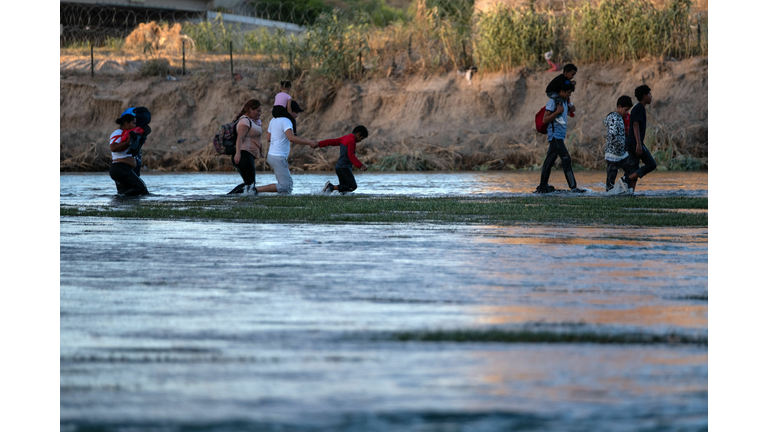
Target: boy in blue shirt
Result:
[[556, 117]]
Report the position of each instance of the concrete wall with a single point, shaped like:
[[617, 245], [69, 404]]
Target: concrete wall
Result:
[[561, 5], [249, 23]]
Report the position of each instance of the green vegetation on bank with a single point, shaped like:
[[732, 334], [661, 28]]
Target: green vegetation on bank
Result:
[[443, 34], [369, 38], [529, 336], [635, 211]]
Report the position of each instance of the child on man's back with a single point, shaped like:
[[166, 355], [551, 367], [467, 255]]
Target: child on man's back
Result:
[[558, 82]]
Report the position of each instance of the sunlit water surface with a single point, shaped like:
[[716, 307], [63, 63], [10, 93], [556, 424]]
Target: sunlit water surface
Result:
[[98, 188], [218, 326]]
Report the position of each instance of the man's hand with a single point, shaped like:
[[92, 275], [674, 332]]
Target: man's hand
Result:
[[639, 150], [363, 168], [559, 109]]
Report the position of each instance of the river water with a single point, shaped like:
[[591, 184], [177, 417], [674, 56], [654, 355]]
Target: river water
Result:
[[220, 326], [98, 188]]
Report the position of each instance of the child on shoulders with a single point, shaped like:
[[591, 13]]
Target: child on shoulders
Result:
[[282, 107], [558, 82]]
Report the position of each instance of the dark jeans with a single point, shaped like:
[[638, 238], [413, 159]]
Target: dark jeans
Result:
[[127, 179], [346, 180], [557, 148], [247, 170], [613, 170], [648, 161], [281, 111]]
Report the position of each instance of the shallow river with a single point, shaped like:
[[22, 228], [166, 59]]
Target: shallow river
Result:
[[98, 188], [218, 326]]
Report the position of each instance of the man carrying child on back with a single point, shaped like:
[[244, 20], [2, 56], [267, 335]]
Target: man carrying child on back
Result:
[[565, 78], [556, 121]]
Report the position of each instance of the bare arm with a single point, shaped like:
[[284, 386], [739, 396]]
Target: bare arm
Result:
[[549, 116], [242, 130], [119, 146], [298, 140], [636, 131]]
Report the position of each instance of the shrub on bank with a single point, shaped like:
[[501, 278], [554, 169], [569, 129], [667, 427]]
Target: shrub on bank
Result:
[[441, 35]]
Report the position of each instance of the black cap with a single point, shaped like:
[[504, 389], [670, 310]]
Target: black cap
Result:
[[295, 107], [124, 118]]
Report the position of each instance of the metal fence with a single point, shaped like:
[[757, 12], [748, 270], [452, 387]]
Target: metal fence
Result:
[[85, 24], [369, 38]]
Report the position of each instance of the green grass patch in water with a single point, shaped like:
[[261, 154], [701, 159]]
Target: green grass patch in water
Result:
[[633, 211], [528, 336]]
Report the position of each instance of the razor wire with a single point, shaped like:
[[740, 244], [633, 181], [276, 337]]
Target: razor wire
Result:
[[291, 35], [364, 38], [83, 24]]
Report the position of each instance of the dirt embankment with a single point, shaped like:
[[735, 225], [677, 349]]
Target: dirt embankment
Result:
[[419, 122]]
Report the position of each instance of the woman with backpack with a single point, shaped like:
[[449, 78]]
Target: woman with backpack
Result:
[[248, 145]]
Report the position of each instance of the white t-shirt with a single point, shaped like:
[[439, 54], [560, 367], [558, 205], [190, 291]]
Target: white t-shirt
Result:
[[280, 146], [115, 138]]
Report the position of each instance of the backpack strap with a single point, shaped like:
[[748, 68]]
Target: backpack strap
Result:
[[249, 123]]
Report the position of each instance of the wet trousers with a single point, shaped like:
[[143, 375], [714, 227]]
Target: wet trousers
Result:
[[346, 180], [247, 170], [648, 161], [557, 149], [127, 179], [612, 169]]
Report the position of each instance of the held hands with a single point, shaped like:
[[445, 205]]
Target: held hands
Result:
[[313, 144], [363, 168]]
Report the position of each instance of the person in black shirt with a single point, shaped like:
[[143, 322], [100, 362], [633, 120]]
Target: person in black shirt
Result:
[[635, 145], [554, 86]]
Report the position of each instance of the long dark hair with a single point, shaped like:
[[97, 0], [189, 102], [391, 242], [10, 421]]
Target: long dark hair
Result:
[[251, 104]]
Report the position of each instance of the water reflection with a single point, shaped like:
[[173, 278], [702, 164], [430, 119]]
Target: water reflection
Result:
[[98, 188], [691, 316], [274, 325]]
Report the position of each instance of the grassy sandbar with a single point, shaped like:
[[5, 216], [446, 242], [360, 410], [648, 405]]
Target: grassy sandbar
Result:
[[633, 211]]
